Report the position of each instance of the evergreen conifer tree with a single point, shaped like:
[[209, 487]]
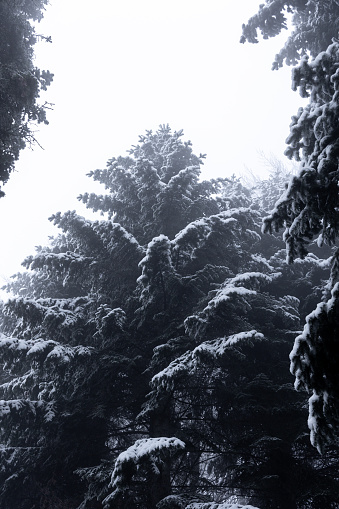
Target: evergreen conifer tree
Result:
[[309, 207], [21, 82]]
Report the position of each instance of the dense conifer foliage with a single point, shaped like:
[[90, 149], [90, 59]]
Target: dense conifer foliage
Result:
[[21, 82], [309, 207], [145, 356]]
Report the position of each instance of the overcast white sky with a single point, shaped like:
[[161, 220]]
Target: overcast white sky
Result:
[[124, 66]]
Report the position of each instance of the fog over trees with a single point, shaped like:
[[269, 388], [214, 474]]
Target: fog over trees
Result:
[[147, 356]]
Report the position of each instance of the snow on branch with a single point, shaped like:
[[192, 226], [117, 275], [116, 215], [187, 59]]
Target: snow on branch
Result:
[[39, 349], [223, 228], [240, 289], [54, 261], [180, 366], [147, 454], [11, 407], [207, 351], [314, 363], [219, 347], [191, 502], [6, 407], [115, 237], [309, 207], [213, 505]]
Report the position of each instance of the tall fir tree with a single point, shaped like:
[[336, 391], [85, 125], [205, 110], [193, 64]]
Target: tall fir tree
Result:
[[308, 208]]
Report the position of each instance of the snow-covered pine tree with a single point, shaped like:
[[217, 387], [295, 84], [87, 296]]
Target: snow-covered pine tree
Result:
[[309, 207], [313, 27], [77, 302], [212, 360], [112, 306], [66, 357]]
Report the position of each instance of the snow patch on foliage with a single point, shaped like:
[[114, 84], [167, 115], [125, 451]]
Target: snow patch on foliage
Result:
[[258, 259], [213, 505], [182, 364], [316, 341], [218, 347], [226, 293], [147, 447], [66, 353], [239, 286], [50, 411], [127, 236], [114, 236], [147, 453], [190, 360], [227, 226], [16, 405], [38, 345], [43, 349], [158, 252], [251, 276], [31, 346], [7, 406]]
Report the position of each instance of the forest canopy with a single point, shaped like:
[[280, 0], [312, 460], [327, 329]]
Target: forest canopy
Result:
[[145, 355]]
